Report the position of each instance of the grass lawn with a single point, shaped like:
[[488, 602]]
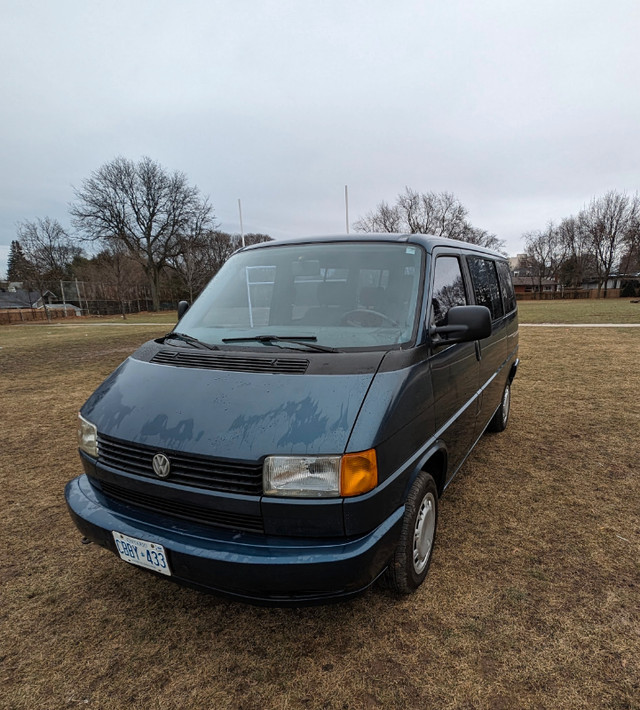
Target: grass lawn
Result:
[[532, 600], [583, 310]]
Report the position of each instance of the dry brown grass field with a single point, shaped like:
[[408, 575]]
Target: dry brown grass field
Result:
[[590, 310], [532, 601]]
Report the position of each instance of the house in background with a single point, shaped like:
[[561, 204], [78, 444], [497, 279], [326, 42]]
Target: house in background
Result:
[[615, 281], [528, 285], [526, 282], [519, 265], [14, 297], [532, 284]]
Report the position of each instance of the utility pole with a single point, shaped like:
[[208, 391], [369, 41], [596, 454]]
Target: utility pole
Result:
[[64, 303], [346, 206], [241, 227]]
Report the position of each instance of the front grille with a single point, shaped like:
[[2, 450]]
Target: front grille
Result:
[[187, 511], [186, 469], [207, 361]]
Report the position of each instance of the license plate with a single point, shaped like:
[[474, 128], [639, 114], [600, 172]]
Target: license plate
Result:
[[142, 553]]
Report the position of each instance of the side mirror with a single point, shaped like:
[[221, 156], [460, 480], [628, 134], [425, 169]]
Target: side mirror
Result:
[[183, 307], [465, 324]]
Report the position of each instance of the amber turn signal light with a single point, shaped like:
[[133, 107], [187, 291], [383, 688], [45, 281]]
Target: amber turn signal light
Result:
[[358, 473]]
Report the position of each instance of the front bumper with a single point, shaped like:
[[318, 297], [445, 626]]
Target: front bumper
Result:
[[247, 566]]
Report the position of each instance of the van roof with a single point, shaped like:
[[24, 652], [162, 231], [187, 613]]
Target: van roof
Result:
[[428, 241]]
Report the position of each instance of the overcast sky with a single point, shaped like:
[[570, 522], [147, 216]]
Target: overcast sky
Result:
[[525, 110]]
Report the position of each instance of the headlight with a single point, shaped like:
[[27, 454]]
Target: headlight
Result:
[[320, 476], [87, 437], [316, 476]]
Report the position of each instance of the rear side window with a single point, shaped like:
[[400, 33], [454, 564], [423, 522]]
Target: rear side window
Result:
[[485, 285], [506, 286], [448, 289]]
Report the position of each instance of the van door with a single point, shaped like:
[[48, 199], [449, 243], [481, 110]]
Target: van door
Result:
[[454, 368], [492, 350]]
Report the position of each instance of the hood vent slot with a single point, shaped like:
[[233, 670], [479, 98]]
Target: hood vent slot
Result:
[[206, 361]]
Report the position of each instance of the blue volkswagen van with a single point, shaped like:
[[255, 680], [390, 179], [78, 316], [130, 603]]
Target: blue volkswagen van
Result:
[[289, 440]]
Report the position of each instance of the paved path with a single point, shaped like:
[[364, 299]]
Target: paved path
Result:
[[580, 325]]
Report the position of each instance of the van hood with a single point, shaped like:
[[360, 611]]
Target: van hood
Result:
[[228, 414]]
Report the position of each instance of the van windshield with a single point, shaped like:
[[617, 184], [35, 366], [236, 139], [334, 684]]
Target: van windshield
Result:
[[338, 295]]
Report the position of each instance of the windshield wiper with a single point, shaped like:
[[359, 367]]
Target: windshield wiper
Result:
[[188, 339], [304, 340]]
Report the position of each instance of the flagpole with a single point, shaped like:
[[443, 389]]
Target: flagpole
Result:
[[241, 227], [346, 206]]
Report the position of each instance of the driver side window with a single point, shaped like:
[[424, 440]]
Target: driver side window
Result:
[[448, 289]]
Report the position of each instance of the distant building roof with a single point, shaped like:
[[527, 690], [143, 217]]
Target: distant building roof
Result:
[[62, 307], [532, 281], [19, 298]]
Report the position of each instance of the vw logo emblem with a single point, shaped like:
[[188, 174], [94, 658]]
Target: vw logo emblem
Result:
[[161, 465]]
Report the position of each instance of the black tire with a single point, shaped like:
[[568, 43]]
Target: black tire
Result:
[[501, 417], [410, 562]]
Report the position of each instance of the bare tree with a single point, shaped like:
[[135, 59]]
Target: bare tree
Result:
[[578, 261], [190, 261], [385, 218], [202, 255], [222, 245], [116, 264], [190, 265], [544, 251], [483, 239], [254, 238], [48, 252], [143, 207], [112, 275], [438, 213], [608, 223], [630, 259]]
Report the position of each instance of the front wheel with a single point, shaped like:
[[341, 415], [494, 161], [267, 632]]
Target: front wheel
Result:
[[410, 562], [501, 417]]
